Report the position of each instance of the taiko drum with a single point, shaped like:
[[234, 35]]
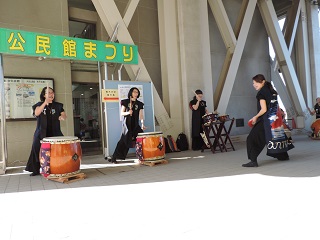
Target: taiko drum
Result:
[[60, 156], [153, 146], [315, 126]]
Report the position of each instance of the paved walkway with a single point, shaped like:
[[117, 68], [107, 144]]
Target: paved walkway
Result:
[[196, 196]]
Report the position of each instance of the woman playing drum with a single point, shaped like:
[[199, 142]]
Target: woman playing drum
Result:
[[49, 113], [132, 111]]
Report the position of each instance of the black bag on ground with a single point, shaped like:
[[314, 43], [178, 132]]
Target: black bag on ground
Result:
[[166, 142], [182, 142]]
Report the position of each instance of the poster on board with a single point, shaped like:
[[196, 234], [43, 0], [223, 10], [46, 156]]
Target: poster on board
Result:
[[21, 94]]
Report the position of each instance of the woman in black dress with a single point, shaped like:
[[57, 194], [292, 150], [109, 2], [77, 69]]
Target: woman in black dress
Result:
[[49, 113], [198, 107], [267, 125], [132, 112], [316, 108]]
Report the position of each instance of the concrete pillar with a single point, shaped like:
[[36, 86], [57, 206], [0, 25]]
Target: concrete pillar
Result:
[[170, 61], [314, 48], [194, 54], [302, 56]]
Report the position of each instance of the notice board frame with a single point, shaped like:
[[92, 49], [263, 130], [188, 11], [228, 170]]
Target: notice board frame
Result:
[[21, 93]]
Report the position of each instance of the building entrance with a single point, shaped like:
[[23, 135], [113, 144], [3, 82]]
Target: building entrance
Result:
[[86, 117]]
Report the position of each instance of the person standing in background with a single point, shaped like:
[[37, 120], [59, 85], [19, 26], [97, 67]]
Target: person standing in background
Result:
[[132, 112], [316, 108], [199, 108]]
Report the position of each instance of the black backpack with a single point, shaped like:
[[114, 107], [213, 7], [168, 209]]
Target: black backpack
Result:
[[182, 142]]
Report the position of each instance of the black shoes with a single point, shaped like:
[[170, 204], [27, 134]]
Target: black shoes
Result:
[[34, 174], [111, 159], [250, 164]]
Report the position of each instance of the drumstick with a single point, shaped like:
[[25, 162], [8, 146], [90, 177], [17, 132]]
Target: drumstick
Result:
[[130, 105], [47, 91]]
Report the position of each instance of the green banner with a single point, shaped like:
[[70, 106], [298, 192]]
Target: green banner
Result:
[[54, 46]]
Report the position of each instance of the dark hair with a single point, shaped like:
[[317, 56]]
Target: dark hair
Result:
[[259, 79], [43, 92], [198, 91], [131, 90]]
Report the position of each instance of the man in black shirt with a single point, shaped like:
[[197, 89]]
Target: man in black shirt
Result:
[[316, 108]]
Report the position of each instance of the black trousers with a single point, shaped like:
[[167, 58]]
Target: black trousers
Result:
[[33, 164], [256, 141], [121, 150], [197, 143]]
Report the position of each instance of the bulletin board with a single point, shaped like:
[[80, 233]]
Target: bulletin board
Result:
[[21, 94], [114, 92]]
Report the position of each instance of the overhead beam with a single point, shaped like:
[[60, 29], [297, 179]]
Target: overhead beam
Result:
[[236, 58], [229, 37], [289, 31], [129, 11], [283, 56], [239, 22], [224, 25], [292, 19]]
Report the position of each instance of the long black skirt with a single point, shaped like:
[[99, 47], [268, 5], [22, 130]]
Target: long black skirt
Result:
[[256, 141], [33, 164], [197, 143], [121, 150]]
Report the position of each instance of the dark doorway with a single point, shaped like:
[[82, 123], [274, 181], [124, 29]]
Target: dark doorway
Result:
[[86, 116]]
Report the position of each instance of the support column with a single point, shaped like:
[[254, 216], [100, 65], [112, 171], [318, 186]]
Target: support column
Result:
[[170, 62], [194, 54], [314, 49], [303, 58]]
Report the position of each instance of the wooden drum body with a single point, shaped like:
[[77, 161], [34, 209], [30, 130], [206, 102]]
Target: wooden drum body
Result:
[[60, 156], [150, 146]]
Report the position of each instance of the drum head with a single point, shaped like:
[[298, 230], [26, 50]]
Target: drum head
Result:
[[60, 139], [149, 133]]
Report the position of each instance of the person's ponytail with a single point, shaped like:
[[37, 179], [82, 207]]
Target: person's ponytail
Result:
[[269, 85]]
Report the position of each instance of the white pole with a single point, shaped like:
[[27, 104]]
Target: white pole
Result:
[[4, 149]]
